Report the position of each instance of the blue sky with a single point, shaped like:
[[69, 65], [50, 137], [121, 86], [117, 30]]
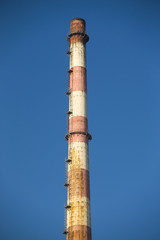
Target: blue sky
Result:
[[123, 57]]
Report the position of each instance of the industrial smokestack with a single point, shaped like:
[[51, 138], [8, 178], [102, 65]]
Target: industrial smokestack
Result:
[[78, 216]]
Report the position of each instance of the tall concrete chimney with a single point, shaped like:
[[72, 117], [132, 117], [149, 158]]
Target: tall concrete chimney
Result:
[[78, 216]]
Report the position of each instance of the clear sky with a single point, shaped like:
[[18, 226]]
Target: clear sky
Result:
[[123, 58]]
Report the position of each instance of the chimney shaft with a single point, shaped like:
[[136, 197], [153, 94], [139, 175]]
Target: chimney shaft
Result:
[[78, 217]]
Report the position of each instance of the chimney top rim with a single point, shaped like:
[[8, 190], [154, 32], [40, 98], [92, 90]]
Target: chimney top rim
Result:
[[80, 19]]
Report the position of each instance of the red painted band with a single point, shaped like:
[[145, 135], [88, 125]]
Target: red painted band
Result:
[[78, 180], [77, 38], [79, 232], [78, 124], [77, 138], [77, 25], [77, 79]]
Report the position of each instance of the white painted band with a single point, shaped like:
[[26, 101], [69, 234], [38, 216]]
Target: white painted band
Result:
[[78, 153], [79, 213], [78, 55], [78, 104]]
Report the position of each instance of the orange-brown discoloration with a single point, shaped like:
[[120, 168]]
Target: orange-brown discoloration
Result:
[[79, 233], [77, 38], [77, 25], [78, 152], [79, 212], [78, 180]]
